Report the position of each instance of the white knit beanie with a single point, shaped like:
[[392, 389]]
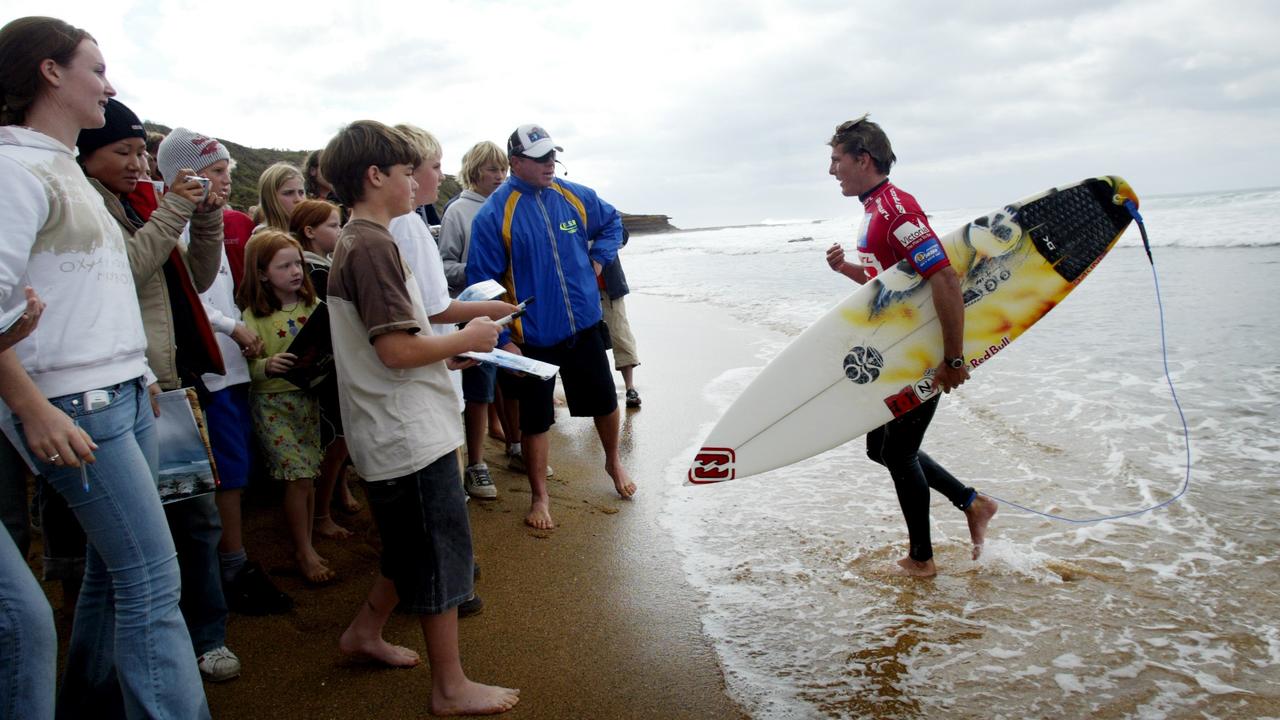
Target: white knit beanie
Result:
[[182, 148]]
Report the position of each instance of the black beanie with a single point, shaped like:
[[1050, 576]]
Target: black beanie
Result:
[[121, 124]]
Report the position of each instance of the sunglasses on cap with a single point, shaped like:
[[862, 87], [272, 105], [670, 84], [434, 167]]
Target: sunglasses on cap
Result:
[[542, 159]]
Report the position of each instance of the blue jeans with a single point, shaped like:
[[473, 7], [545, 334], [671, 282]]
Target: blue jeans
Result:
[[28, 642], [129, 644]]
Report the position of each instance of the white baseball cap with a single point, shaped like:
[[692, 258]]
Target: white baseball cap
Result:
[[531, 141]]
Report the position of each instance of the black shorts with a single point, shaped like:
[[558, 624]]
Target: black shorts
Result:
[[585, 373], [426, 536]]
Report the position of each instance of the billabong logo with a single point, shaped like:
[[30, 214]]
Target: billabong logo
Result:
[[569, 226], [863, 365], [712, 465]]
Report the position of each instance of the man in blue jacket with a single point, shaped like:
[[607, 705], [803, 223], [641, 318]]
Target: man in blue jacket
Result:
[[547, 238]]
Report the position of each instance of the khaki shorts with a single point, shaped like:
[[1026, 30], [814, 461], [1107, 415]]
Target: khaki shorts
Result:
[[624, 343]]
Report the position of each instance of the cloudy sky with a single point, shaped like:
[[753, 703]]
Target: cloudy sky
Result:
[[718, 112]]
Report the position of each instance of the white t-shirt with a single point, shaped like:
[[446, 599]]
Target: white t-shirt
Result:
[[419, 252]]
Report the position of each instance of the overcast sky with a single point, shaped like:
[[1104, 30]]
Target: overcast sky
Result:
[[719, 112]]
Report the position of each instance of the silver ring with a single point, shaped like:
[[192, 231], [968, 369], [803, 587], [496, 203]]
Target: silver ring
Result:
[[54, 458]]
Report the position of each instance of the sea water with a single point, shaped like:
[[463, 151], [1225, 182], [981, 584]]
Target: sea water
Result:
[[1169, 613]]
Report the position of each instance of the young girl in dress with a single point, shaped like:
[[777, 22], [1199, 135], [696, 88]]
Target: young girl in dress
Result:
[[315, 225], [277, 299]]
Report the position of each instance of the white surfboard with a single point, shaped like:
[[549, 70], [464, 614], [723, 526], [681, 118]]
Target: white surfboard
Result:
[[871, 358]]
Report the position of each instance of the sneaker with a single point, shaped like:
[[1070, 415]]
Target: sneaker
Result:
[[478, 484], [633, 398], [472, 606], [219, 665], [516, 464], [251, 592]]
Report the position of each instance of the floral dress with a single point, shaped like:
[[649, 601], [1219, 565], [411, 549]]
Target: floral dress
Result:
[[286, 420]]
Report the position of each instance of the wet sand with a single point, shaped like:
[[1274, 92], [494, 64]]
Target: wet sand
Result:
[[591, 620]]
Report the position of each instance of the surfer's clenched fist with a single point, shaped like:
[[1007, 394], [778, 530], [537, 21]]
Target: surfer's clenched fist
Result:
[[836, 261], [949, 378]]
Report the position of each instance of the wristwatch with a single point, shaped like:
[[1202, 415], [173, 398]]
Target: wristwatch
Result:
[[956, 362]]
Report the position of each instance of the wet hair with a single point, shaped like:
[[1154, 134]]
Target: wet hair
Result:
[[269, 184], [24, 44], [255, 294], [359, 146], [474, 161], [309, 214], [863, 136]]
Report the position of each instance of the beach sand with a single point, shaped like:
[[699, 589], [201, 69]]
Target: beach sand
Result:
[[591, 620]]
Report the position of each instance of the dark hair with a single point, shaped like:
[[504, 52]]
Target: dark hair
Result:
[[311, 177], [24, 44], [356, 148], [863, 136]]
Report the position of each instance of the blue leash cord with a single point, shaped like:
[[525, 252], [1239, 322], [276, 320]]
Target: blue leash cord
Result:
[[1186, 433]]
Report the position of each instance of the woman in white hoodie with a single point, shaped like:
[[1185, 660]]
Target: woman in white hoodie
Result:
[[76, 385]]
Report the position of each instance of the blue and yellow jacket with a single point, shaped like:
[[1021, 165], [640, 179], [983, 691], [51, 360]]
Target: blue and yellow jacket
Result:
[[539, 242]]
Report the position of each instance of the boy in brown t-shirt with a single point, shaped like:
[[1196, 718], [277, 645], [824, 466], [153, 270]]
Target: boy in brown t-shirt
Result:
[[399, 412]]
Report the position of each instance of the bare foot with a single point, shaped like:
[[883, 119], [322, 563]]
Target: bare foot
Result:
[[539, 515], [314, 568], [979, 514], [621, 480], [472, 698], [326, 527], [349, 503], [915, 568], [377, 650]]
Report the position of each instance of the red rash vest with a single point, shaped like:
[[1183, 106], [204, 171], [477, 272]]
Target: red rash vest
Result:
[[894, 228]]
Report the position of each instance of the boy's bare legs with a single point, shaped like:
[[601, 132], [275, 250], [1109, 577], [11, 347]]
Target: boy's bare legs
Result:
[[627, 374], [451, 692], [607, 427], [536, 448], [363, 637], [496, 429], [228, 502], [334, 457], [510, 408], [475, 416], [299, 504]]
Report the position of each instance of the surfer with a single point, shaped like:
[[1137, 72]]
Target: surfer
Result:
[[894, 228]]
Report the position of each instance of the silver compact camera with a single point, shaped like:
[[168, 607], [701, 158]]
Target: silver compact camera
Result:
[[204, 183]]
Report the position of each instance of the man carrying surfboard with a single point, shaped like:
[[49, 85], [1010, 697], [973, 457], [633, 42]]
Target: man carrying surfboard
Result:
[[895, 229]]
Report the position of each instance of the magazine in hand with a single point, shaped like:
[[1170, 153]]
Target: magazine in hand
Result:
[[519, 363], [483, 290], [313, 346], [186, 461]]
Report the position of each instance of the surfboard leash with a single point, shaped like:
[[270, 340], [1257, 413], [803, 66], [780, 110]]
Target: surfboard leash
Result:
[[1132, 207]]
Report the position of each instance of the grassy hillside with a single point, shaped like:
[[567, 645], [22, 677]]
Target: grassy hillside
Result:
[[250, 162]]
